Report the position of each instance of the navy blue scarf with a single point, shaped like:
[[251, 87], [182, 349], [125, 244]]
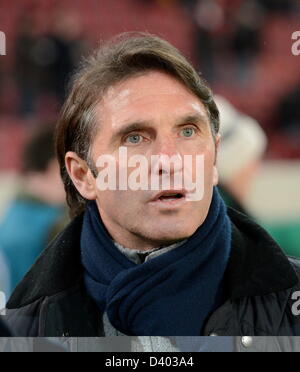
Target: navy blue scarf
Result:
[[170, 295]]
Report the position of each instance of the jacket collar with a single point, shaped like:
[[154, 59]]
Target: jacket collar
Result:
[[257, 265]]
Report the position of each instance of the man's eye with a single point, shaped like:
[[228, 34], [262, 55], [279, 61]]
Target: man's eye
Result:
[[188, 132], [134, 139]]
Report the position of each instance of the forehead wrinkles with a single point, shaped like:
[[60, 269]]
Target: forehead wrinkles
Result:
[[152, 112], [152, 84], [114, 104], [120, 98]]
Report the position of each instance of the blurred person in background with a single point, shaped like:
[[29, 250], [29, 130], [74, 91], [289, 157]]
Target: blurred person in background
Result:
[[187, 4], [44, 62], [288, 115], [37, 214], [287, 232], [28, 71], [242, 149], [243, 146], [209, 18], [61, 48], [280, 6], [246, 41]]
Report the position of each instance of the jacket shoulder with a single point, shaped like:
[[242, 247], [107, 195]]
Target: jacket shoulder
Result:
[[57, 269], [50, 316]]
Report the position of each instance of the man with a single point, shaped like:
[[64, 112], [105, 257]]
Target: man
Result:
[[37, 212], [146, 261]]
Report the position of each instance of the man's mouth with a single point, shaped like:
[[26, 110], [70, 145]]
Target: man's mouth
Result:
[[169, 197]]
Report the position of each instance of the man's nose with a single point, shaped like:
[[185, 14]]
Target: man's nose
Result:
[[166, 145], [167, 155]]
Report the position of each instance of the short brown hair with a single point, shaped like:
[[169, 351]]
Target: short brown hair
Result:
[[122, 58]]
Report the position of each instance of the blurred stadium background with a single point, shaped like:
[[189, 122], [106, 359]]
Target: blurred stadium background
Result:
[[243, 48]]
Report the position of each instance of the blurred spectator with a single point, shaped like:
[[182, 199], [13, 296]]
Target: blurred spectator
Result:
[[28, 71], [188, 4], [287, 232], [61, 50], [289, 115], [45, 62], [37, 213], [247, 37], [243, 144], [279, 6], [209, 19]]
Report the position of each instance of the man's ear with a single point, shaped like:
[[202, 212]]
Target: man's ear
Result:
[[215, 171], [80, 175]]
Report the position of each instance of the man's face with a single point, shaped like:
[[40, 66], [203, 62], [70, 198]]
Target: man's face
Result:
[[153, 114]]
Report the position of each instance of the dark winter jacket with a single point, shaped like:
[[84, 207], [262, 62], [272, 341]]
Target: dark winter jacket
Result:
[[260, 283]]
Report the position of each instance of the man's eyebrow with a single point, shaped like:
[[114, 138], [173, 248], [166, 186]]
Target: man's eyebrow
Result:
[[192, 119]]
